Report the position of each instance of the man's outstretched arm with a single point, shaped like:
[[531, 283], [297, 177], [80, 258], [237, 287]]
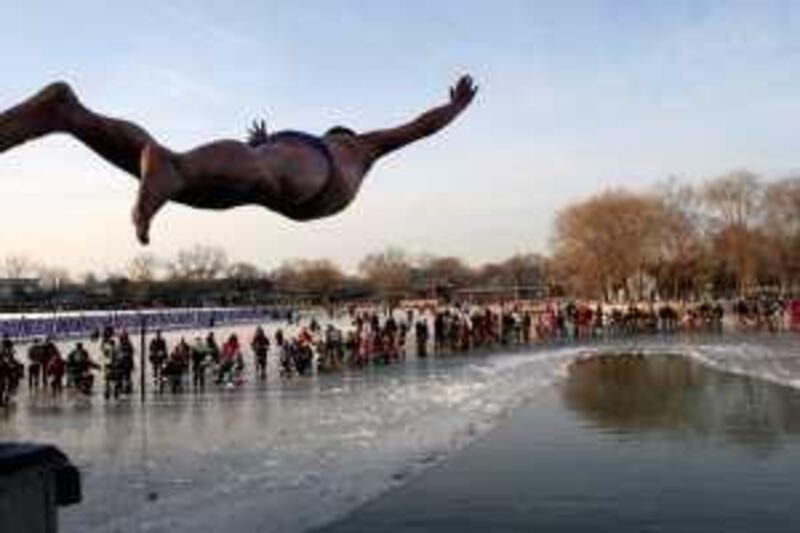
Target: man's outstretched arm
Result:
[[381, 142]]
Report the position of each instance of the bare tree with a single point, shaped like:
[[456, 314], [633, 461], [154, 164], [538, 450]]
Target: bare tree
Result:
[[242, 271], [680, 261], [319, 276], [143, 267], [524, 269], [52, 277], [19, 266], [286, 276], [782, 207], [734, 199], [199, 263], [734, 202], [443, 272], [603, 242], [782, 228], [388, 271], [89, 279]]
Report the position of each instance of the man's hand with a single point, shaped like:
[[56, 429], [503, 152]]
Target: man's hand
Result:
[[463, 92], [381, 142], [257, 134]]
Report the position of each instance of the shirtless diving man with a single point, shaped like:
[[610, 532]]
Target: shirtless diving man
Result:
[[299, 175]]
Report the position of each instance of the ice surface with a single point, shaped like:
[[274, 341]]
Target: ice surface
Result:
[[287, 456]]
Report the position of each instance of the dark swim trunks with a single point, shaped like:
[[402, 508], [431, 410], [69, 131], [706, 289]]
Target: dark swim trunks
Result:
[[333, 196], [311, 140]]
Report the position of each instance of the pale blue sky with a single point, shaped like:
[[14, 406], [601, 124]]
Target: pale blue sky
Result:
[[575, 97]]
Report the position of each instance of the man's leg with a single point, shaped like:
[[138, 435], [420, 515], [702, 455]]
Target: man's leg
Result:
[[217, 175], [160, 181], [56, 109], [231, 170]]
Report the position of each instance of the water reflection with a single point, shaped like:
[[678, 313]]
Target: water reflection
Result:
[[635, 396]]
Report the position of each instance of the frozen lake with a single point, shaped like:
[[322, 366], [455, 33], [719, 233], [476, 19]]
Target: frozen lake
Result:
[[625, 444], [289, 456]]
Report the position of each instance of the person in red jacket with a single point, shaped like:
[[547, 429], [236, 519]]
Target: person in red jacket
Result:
[[231, 361], [794, 314]]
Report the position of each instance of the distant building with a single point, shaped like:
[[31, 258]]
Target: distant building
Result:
[[12, 289], [501, 293]]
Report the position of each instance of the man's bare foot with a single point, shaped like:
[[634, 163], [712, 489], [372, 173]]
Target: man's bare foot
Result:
[[45, 112], [159, 182], [56, 100]]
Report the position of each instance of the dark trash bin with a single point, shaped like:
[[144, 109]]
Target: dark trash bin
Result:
[[35, 480]]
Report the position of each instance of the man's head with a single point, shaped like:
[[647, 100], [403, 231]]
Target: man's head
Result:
[[340, 130]]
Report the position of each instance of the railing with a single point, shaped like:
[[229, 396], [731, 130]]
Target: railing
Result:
[[84, 324]]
